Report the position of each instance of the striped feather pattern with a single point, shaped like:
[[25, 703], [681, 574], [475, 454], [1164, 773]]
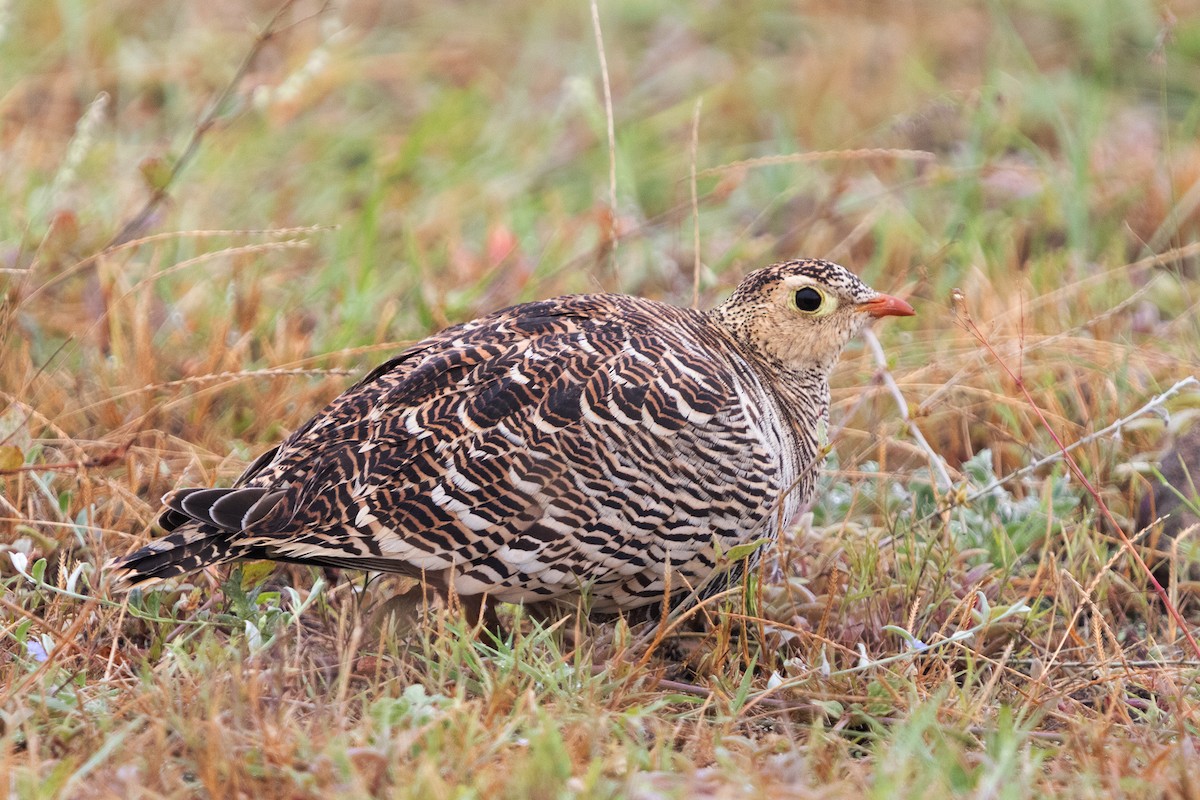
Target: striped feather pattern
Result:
[[594, 442]]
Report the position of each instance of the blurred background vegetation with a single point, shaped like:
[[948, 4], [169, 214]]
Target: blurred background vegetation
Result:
[[381, 169], [455, 157]]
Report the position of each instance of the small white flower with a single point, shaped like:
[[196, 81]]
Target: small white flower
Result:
[[36, 650]]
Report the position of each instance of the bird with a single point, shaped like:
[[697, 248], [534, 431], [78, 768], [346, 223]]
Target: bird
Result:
[[595, 444]]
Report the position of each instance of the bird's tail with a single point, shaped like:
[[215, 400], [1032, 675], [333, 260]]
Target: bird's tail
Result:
[[206, 527], [188, 548]]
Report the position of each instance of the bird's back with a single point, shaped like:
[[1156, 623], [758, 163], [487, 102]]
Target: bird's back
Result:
[[591, 442]]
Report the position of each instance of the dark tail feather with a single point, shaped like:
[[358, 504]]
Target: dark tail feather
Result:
[[230, 509], [188, 549], [207, 526]]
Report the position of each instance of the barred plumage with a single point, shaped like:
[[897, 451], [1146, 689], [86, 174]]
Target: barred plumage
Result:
[[589, 442]]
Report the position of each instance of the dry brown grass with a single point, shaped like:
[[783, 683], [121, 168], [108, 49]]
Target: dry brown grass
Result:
[[380, 171]]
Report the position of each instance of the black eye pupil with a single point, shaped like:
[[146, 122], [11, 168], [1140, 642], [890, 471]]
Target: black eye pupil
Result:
[[808, 299]]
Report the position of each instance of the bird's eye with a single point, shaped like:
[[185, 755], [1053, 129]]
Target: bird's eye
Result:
[[809, 300]]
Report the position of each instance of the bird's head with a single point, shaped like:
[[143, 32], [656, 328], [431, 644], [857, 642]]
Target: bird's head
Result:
[[802, 313]]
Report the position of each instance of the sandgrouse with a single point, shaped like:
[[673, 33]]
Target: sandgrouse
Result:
[[597, 444]]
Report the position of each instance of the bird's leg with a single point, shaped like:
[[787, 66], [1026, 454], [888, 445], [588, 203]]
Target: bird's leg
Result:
[[480, 614]]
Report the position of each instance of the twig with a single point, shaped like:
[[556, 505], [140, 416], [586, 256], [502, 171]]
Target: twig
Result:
[[81, 619], [612, 139], [1143, 664], [1129, 270], [915, 650], [969, 323], [936, 467], [224, 377], [166, 236], [679, 612], [105, 460], [695, 206], [824, 155], [1103, 631], [160, 192], [705, 692], [1181, 210], [1115, 427], [841, 250], [202, 127], [20, 564], [952, 382], [979, 730]]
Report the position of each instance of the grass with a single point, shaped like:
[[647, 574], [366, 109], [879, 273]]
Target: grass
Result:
[[382, 170]]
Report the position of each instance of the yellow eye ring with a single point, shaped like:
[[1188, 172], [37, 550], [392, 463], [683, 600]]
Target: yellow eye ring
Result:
[[811, 300]]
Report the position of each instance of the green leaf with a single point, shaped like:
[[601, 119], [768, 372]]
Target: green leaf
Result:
[[831, 708], [740, 551], [255, 572]]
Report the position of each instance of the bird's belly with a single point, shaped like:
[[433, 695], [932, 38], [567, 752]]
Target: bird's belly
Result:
[[630, 551]]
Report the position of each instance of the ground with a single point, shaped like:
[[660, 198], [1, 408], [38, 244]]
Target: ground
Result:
[[1024, 173]]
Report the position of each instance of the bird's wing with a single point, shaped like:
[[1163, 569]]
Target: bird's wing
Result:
[[542, 448]]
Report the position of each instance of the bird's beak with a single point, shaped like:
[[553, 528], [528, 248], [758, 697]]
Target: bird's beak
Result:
[[884, 305]]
